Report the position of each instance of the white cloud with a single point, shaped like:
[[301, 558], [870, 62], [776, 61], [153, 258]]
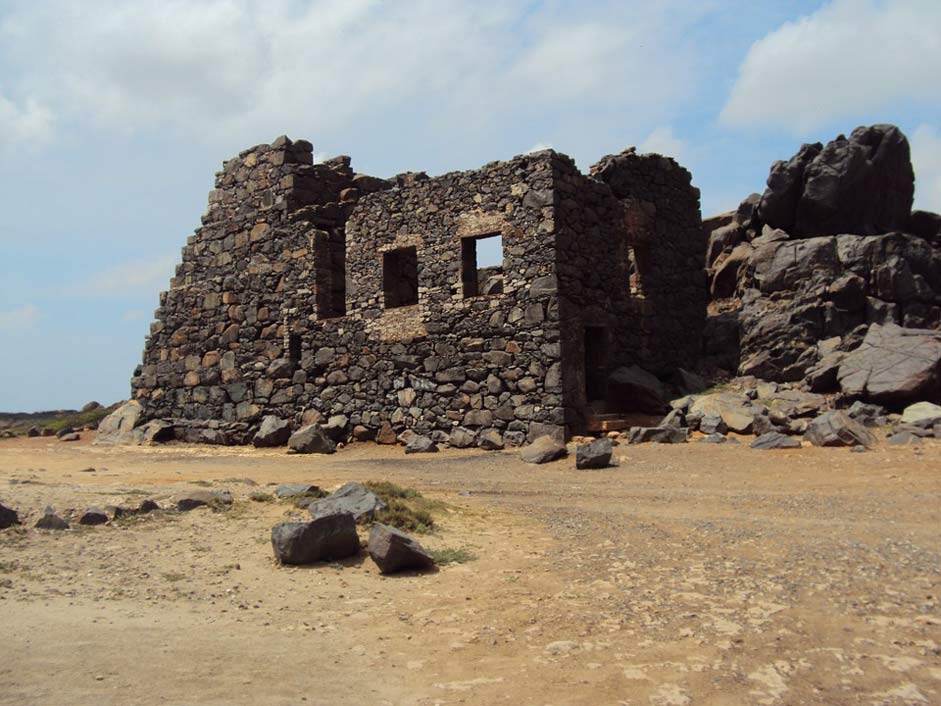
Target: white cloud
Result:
[[19, 319], [926, 159], [146, 275], [23, 126], [662, 141], [539, 147], [849, 57], [238, 69]]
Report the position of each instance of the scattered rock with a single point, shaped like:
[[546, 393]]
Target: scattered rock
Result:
[[93, 516], [658, 435], [8, 517], [51, 521], [147, 505], [311, 439], [675, 418], [837, 428], [543, 450], [33, 431], [393, 550], [597, 454], [273, 431], [202, 498], [775, 440], [353, 499], [91, 406], [289, 490], [713, 439], [870, 415], [421, 445], [156, 431], [331, 536], [74, 436]]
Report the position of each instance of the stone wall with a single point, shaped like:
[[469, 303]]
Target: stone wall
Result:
[[312, 292]]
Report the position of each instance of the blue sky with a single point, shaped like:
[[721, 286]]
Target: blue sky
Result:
[[114, 116]]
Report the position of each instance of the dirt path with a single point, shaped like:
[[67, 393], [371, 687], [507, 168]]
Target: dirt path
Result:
[[689, 575]]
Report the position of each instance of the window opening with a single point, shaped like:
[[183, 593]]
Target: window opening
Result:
[[330, 273], [482, 265], [294, 347], [400, 277]]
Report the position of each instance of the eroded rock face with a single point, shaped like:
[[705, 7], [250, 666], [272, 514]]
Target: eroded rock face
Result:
[[894, 366], [863, 185]]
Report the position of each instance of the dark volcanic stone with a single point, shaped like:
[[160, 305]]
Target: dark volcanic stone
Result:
[[353, 499], [93, 516], [597, 454], [8, 517], [327, 537], [393, 550], [147, 505]]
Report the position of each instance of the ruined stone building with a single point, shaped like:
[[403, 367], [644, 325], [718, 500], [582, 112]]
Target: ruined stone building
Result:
[[311, 291]]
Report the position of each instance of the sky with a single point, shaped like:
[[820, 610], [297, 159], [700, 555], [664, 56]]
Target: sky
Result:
[[114, 117]]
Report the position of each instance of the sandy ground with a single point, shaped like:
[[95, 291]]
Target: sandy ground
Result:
[[689, 575]]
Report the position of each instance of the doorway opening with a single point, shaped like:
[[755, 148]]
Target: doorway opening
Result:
[[596, 363]]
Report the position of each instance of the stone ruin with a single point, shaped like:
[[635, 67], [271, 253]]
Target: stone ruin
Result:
[[316, 294]]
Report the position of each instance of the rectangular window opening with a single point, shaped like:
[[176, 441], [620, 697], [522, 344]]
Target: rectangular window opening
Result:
[[400, 277], [294, 346], [596, 363], [482, 265], [638, 263]]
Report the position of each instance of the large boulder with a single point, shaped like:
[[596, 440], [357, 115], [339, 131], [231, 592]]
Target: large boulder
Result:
[[118, 427], [543, 450], [837, 428], [393, 550], [327, 537], [352, 499], [596, 454], [894, 366], [311, 439], [8, 517], [864, 185], [634, 389], [273, 431]]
